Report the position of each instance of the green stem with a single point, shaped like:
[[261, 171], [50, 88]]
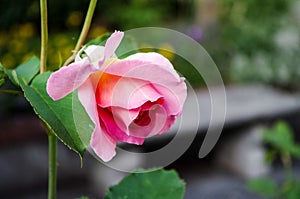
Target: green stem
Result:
[[51, 137], [44, 35], [52, 166], [84, 31]]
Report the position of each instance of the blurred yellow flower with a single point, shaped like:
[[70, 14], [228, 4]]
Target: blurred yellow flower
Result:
[[60, 40], [17, 46], [8, 60], [26, 30], [97, 31], [74, 19]]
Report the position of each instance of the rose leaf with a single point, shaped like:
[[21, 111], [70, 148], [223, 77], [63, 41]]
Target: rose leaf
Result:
[[159, 184], [66, 117]]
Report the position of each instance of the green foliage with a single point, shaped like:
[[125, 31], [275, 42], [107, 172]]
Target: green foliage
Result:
[[23, 73], [264, 186], [291, 190], [2, 75], [100, 40], [158, 184], [251, 22], [188, 71], [140, 13], [280, 136], [66, 118], [19, 36], [256, 41], [280, 139]]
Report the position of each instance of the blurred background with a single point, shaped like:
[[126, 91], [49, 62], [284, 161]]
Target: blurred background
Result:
[[254, 43]]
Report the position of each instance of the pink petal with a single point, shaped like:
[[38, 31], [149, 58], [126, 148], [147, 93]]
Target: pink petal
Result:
[[165, 80], [124, 117], [114, 129], [173, 98], [128, 93], [112, 43], [151, 57], [68, 78], [158, 123], [169, 122], [101, 142]]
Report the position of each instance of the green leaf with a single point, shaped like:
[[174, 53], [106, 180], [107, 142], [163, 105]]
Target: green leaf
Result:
[[2, 81], [158, 184], [83, 197], [270, 156], [280, 136], [66, 117], [293, 191], [99, 40], [2, 78], [2, 75], [264, 186], [24, 72]]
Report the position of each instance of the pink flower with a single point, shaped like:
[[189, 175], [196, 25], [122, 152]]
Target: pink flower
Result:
[[128, 99]]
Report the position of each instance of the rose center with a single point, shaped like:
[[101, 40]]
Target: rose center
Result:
[[143, 119]]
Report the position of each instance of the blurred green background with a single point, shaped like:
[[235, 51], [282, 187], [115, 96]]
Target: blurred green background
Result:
[[249, 40]]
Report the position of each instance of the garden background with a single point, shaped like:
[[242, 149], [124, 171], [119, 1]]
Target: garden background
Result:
[[252, 42]]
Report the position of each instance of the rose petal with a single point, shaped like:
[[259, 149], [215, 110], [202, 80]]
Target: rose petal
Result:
[[101, 142], [124, 92], [164, 79], [151, 57], [173, 99], [158, 122], [114, 129], [168, 123], [124, 117], [112, 43], [68, 78]]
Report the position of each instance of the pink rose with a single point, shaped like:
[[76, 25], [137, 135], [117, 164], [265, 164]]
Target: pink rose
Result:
[[128, 99]]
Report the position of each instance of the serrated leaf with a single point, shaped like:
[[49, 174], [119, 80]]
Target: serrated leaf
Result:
[[24, 72], [158, 184], [264, 186], [66, 117]]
